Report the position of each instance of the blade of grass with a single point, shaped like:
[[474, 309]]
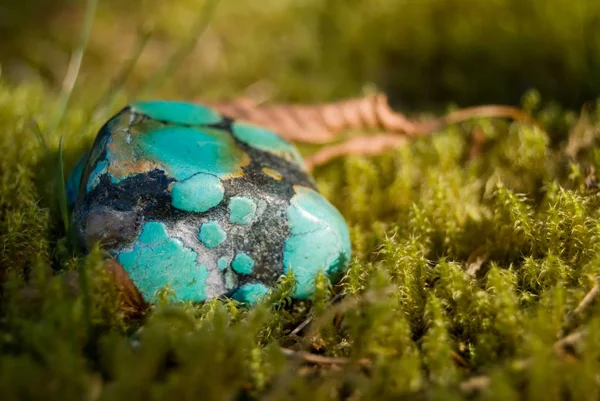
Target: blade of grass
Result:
[[157, 79], [39, 135], [61, 187], [108, 98], [84, 285], [74, 65]]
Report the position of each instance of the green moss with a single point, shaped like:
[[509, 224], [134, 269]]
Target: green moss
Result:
[[464, 266]]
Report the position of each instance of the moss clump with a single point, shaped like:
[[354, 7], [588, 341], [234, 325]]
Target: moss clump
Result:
[[468, 269]]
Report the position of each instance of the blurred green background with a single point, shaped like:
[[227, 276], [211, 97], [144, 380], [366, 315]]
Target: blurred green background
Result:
[[423, 53]]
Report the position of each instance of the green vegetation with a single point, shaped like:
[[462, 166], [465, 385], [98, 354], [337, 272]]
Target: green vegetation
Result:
[[415, 305], [422, 53], [470, 259]]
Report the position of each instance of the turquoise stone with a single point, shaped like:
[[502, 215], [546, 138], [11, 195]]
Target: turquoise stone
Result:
[[211, 234], [198, 193], [222, 264], [94, 178], [319, 240], [241, 210], [266, 140], [157, 260], [185, 198], [251, 293], [242, 263], [177, 112], [185, 151]]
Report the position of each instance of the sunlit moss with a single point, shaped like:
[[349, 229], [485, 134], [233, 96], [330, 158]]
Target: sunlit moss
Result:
[[464, 265]]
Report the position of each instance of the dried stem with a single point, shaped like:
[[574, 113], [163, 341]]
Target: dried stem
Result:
[[72, 74], [309, 319], [316, 359], [589, 298]]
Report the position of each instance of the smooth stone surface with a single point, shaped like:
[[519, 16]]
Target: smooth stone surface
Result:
[[185, 152], [94, 178], [198, 193], [187, 199], [242, 263], [241, 210], [266, 140], [251, 293], [222, 264], [157, 260], [177, 112], [319, 240], [211, 234]]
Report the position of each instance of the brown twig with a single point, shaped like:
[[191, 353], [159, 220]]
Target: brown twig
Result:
[[589, 298], [476, 260], [560, 347], [309, 319], [585, 302], [563, 346], [459, 360], [582, 134], [475, 383], [344, 305], [315, 359]]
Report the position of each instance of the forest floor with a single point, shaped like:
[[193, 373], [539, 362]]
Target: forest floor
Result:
[[475, 269]]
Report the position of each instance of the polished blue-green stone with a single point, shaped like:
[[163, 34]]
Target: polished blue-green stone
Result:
[[241, 210], [187, 199], [154, 254], [211, 234], [198, 193], [242, 263], [177, 112], [251, 293], [318, 240]]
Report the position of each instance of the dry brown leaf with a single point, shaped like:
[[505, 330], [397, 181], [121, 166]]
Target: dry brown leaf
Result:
[[322, 123], [318, 123], [361, 145], [132, 301]]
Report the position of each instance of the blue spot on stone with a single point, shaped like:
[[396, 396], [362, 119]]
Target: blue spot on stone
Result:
[[268, 141], [222, 264], [158, 260], [185, 151], [241, 210], [211, 234], [251, 293], [177, 112], [74, 180], [319, 240], [242, 263], [198, 193], [94, 177]]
